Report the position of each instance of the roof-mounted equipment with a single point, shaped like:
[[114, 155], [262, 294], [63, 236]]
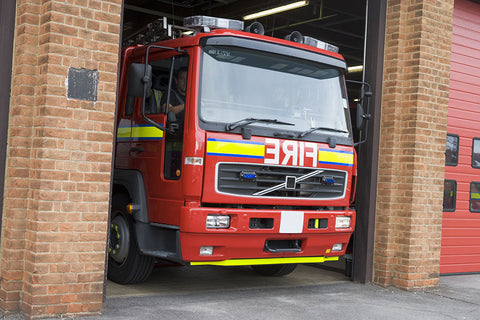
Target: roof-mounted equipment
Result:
[[205, 23], [256, 27], [309, 41], [296, 36]]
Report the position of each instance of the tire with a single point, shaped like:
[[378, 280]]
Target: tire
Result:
[[125, 262], [274, 270], [348, 267]]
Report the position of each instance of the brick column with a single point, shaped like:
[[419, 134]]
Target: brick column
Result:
[[59, 158], [412, 144]]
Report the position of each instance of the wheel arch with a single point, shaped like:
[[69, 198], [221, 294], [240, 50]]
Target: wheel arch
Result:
[[131, 182], [154, 240]]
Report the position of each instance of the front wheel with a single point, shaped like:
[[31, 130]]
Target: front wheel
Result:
[[274, 270], [125, 262]]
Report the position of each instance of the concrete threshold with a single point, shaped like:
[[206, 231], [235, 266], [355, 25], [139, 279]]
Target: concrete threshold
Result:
[[175, 280]]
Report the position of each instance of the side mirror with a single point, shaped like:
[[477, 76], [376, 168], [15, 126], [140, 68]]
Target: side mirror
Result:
[[139, 80], [359, 119], [361, 116]]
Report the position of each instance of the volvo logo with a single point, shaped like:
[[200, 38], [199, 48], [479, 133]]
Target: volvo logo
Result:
[[290, 182]]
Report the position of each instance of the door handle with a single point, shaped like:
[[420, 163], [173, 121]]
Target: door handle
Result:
[[136, 149]]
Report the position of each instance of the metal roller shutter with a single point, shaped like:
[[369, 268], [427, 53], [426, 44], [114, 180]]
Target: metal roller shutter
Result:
[[460, 252]]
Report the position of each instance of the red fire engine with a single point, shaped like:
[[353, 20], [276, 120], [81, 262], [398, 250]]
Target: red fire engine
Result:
[[233, 148]]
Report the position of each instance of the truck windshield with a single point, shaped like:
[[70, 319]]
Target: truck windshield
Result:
[[239, 83]]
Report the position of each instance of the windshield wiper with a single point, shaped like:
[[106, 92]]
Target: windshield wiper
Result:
[[304, 133], [244, 122]]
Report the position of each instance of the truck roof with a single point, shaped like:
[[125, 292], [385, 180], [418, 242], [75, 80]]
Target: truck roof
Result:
[[194, 40]]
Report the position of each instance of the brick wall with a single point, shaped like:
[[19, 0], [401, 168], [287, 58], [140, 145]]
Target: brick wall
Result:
[[58, 159], [412, 143]]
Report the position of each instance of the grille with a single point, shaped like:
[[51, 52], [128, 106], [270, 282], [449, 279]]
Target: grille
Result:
[[280, 182]]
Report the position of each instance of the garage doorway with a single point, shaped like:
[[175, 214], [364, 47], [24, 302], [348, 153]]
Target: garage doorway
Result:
[[341, 23]]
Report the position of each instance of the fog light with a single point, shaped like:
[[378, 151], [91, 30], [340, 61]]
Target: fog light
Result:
[[342, 222], [218, 221], [337, 247], [206, 251]]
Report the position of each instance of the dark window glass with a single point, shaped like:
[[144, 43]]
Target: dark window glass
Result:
[[449, 195], [451, 154], [475, 197], [129, 105], [174, 139], [476, 153]]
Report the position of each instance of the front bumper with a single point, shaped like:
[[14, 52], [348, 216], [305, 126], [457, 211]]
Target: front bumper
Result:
[[241, 244]]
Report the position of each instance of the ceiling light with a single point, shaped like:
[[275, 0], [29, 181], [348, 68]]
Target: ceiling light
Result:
[[268, 12], [355, 69]]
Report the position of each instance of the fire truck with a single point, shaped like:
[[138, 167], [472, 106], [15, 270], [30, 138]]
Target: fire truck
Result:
[[232, 149]]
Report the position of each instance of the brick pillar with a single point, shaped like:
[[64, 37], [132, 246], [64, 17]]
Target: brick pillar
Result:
[[59, 158], [412, 144]]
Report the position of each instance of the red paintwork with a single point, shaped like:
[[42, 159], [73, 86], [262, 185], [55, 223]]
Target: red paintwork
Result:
[[460, 250], [243, 242], [178, 202]]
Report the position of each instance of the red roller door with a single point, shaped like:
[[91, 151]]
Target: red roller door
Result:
[[461, 225]]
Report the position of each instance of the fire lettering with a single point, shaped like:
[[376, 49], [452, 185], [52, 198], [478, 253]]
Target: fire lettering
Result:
[[275, 151], [312, 154], [290, 149], [291, 152]]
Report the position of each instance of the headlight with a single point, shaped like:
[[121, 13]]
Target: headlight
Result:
[[218, 221], [206, 251], [337, 247], [342, 222]]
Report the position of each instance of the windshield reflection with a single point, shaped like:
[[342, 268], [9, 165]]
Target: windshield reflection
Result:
[[239, 83]]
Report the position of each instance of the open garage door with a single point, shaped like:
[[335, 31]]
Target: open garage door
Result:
[[460, 250], [341, 23]]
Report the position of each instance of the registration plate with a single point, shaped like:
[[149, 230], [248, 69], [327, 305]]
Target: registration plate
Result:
[[291, 222]]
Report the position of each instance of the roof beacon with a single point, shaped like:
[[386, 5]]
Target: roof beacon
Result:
[[206, 23], [309, 41]]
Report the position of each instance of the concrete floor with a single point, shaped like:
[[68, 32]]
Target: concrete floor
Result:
[[174, 280], [308, 293]]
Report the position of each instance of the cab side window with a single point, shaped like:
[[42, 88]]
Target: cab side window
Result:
[[153, 104], [175, 104]]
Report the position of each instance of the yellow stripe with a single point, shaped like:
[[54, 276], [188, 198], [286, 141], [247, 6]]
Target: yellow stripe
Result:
[[475, 195], [147, 132], [123, 132], [235, 148], [250, 262], [335, 157]]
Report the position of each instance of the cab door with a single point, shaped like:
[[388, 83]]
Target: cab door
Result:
[[157, 153], [124, 125]]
